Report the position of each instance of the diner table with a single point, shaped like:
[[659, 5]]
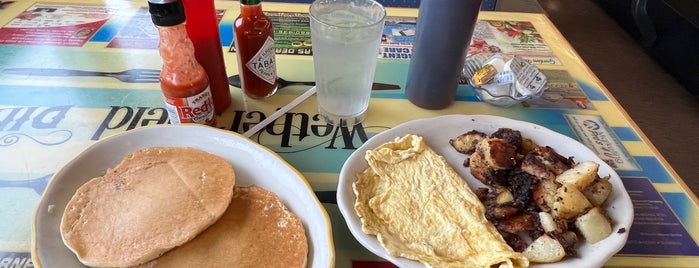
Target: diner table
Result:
[[60, 92]]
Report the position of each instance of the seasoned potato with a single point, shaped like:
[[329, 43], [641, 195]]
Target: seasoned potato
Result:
[[569, 202], [527, 146], [554, 162], [581, 175], [545, 249], [527, 182], [544, 194], [504, 195], [598, 191], [547, 222], [497, 153], [594, 225], [533, 165], [466, 143], [480, 169], [570, 237]]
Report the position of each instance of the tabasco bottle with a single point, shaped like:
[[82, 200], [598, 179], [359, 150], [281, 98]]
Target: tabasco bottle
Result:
[[254, 43], [183, 80]]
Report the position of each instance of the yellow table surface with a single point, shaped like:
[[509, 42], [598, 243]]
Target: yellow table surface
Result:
[[46, 120]]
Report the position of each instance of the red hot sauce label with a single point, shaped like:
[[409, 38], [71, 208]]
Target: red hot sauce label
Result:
[[195, 109]]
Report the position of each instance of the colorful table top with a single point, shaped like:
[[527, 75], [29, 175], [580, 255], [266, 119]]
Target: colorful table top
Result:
[[51, 110]]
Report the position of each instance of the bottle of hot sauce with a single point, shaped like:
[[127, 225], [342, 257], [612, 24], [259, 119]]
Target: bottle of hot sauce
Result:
[[202, 29], [254, 42], [183, 81]]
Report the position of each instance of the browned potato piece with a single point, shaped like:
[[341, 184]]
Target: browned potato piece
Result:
[[570, 202], [504, 196], [594, 225], [497, 153], [528, 145], [570, 237], [532, 165], [547, 222], [598, 191], [581, 175], [544, 194], [466, 143], [554, 162], [545, 249], [480, 169]]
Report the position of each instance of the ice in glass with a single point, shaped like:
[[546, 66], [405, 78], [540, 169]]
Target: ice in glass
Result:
[[346, 35]]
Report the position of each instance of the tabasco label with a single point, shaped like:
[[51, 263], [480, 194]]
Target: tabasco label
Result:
[[263, 63], [195, 109]]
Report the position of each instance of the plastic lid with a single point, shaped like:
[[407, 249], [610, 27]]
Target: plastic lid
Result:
[[249, 2], [166, 12]]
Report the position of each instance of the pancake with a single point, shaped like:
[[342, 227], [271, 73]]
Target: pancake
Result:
[[257, 230], [421, 209], [154, 200]]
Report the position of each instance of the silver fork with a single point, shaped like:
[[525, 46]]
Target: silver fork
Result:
[[127, 76]]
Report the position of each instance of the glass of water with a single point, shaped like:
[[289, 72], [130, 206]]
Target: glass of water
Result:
[[346, 35]]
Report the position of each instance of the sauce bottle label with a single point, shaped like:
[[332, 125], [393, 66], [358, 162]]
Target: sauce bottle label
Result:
[[195, 109], [263, 63]]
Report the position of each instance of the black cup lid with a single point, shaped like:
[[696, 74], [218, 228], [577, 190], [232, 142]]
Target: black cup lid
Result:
[[166, 12], [249, 2]]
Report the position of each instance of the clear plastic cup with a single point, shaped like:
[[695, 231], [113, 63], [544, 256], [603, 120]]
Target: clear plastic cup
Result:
[[346, 35]]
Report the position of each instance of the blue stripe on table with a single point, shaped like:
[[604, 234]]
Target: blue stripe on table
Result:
[[626, 134], [592, 93], [651, 168]]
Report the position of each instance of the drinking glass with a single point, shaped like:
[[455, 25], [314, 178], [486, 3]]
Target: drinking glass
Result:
[[346, 35]]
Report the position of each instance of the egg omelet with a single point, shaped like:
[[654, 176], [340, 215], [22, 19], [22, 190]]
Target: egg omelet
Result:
[[421, 209]]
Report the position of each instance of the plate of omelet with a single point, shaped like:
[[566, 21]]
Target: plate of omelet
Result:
[[410, 197]]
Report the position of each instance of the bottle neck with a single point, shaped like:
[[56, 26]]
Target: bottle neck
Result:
[[248, 10], [180, 68], [174, 38]]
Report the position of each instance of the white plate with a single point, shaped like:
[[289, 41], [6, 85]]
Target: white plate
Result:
[[253, 164], [438, 130]]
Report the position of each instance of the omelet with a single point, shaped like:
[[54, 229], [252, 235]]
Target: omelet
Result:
[[421, 209]]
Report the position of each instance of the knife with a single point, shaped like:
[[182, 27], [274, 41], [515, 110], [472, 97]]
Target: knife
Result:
[[235, 81]]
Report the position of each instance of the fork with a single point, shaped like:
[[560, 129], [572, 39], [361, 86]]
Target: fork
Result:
[[127, 76], [38, 184], [234, 80]]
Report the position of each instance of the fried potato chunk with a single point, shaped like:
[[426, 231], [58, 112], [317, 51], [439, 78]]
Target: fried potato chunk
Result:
[[466, 143], [545, 249], [594, 225], [581, 175], [570, 202]]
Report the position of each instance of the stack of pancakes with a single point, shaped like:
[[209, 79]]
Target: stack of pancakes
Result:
[[180, 207]]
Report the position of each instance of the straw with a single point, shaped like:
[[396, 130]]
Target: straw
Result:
[[280, 112]]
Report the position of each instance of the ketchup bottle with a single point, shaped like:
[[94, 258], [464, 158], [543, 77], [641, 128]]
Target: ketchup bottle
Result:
[[254, 43], [202, 29], [183, 81]]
